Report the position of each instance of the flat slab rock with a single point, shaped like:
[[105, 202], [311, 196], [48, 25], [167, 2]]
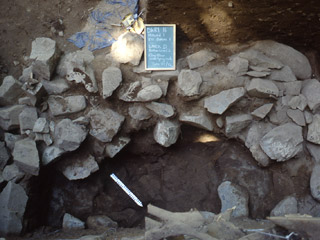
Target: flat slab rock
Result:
[[314, 130], [166, 132], [200, 58], [311, 91], [60, 106], [189, 83], [197, 118]]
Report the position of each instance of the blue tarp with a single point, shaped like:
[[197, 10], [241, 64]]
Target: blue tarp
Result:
[[100, 20]]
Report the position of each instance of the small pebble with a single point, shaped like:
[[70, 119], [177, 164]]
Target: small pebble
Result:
[[230, 4]]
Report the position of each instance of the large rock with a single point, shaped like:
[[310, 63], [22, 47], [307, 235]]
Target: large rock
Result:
[[166, 132], [11, 139], [25, 155], [27, 119], [57, 86], [10, 91], [100, 222], [288, 56], [128, 48], [78, 166], [60, 106], [289, 205], [189, 83], [111, 79], [314, 130], [51, 154], [315, 182], [9, 117], [12, 173], [232, 195], [139, 112], [105, 124], [197, 118], [238, 65], [258, 59], [298, 102], [4, 155], [292, 88], [262, 88], [116, 146], [70, 222], [161, 109], [200, 58], [283, 142], [13, 201], [283, 75], [262, 111], [236, 123], [68, 136], [41, 126], [297, 116], [311, 91], [219, 103], [149, 93]]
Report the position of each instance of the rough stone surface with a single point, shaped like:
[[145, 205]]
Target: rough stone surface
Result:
[[139, 112], [100, 222], [258, 59], [189, 83], [236, 123], [9, 117], [51, 154], [28, 101], [60, 106], [116, 146], [283, 142], [315, 182], [232, 195], [197, 118], [70, 222], [11, 139], [26, 157], [128, 48], [292, 88], [308, 116], [12, 173], [298, 102], [219, 103], [111, 79], [289, 205], [78, 166], [200, 58], [57, 86], [166, 132], [311, 91], [288, 56], [149, 93], [262, 111], [297, 116], [10, 91], [105, 124], [238, 65], [4, 155], [13, 201], [257, 74], [27, 119], [41, 126], [314, 130], [43, 49], [161, 109], [68, 136], [308, 205], [283, 75], [262, 88]]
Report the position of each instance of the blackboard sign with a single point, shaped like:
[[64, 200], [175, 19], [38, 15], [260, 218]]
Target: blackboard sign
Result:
[[160, 46]]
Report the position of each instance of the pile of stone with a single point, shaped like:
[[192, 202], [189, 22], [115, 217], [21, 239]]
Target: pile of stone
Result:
[[265, 97]]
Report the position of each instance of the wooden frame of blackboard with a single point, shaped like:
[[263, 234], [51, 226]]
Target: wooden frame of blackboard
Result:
[[173, 41]]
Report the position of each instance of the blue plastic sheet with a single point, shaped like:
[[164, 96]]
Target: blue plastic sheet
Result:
[[100, 37]]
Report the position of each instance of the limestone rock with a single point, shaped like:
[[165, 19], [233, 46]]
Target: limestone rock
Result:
[[297, 116], [161, 109], [262, 111], [219, 103], [116, 146], [68, 136], [41, 126], [289, 205], [105, 124], [12, 173], [166, 132], [283, 142], [11, 139], [262, 88], [283, 75], [111, 79], [189, 83], [238, 65], [70, 222], [311, 91], [57, 86], [13, 201], [232, 195], [9, 117], [28, 101], [27, 119], [258, 59], [200, 58], [235, 123], [10, 91], [288, 56], [298, 102], [220, 122], [149, 93], [78, 166], [197, 118], [51, 154], [26, 157], [292, 88], [315, 182], [308, 116], [314, 130], [139, 113], [100, 222], [161, 81], [4, 155], [257, 74], [60, 106], [128, 48]]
